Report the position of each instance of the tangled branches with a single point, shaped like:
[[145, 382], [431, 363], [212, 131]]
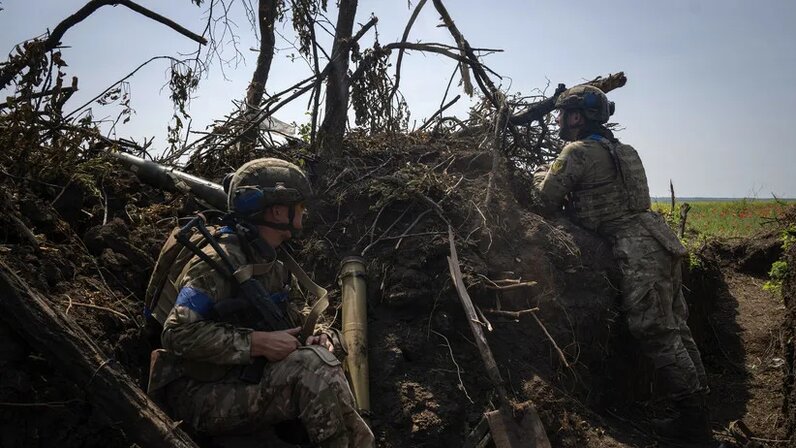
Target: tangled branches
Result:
[[371, 93]]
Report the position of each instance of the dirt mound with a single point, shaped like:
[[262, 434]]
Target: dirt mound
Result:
[[89, 246]]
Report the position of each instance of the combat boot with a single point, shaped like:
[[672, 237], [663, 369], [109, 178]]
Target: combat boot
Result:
[[691, 423]]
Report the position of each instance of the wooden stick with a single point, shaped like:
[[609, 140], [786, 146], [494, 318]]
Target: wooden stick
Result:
[[96, 307], [511, 286], [684, 208], [438, 112], [671, 189], [516, 315], [533, 435], [472, 317]]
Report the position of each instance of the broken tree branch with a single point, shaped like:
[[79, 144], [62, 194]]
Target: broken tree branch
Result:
[[79, 358], [398, 61], [684, 208], [438, 113], [54, 39], [481, 78]]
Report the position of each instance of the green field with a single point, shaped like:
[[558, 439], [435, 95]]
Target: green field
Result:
[[726, 218]]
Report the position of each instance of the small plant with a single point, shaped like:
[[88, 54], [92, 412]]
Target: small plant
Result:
[[779, 269], [777, 274]]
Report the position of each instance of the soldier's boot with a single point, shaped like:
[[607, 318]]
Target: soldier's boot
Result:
[[691, 424]]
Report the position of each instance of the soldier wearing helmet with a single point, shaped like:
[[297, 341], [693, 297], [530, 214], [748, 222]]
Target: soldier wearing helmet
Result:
[[602, 186], [200, 379]]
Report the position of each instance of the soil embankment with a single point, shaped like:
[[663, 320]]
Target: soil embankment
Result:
[[391, 200]]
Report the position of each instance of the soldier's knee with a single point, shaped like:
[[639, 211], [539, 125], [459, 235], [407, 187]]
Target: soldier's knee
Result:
[[311, 361]]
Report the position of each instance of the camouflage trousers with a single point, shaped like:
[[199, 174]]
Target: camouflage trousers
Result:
[[308, 385], [656, 312]]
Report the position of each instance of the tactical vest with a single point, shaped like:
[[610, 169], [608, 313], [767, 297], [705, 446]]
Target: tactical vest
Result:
[[627, 193], [161, 292]]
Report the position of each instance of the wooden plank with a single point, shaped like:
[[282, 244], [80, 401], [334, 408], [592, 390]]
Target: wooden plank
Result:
[[505, 430]]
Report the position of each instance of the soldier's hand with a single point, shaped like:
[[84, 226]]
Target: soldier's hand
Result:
[[275, 345], [322, 340]]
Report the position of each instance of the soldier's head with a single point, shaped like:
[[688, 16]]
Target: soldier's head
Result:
[[581, 107], [269, 193]]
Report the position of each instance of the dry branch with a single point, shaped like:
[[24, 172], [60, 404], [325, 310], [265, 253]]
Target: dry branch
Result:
[[438, 113], [55, 91], [487, 87], [405, 36], [79, 358], [54, 39], [684, 208]]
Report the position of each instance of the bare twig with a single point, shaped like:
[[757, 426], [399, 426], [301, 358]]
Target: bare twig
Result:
[[516, 315], [51, 404], [54, 91], [458, 369], [552, 341], [125, 78], [511, 287], [398, 61], [438, 113], [411, 226], [96, 307]]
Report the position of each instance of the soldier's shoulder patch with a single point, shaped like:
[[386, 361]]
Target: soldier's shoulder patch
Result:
[[557, 166]]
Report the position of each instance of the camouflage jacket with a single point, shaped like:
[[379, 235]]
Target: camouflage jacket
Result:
[[191, 333], [585, 165], [617, 205]]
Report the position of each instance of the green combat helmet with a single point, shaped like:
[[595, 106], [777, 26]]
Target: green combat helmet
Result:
[[591, 100], [261, 183]]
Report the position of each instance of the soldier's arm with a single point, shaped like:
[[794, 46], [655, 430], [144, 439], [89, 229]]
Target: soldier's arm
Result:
[[563, 177], [188, 330]]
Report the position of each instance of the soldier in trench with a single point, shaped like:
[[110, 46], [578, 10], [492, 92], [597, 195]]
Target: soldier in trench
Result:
[[602, 185], [198, 374]]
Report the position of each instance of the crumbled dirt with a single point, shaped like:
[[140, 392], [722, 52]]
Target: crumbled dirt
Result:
[[387, 198]]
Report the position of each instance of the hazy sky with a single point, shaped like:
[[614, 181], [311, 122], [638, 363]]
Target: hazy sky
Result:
[[708, 101]]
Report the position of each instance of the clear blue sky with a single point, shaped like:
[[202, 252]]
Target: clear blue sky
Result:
[[708, 103]]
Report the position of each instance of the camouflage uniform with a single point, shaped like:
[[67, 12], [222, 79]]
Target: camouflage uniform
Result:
[[203, 359], [608, 194]]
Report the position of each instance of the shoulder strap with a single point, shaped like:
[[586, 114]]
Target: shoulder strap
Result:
[[611, 148], [306, 282]]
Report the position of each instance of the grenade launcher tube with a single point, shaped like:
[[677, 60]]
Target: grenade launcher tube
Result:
[[208, 193]]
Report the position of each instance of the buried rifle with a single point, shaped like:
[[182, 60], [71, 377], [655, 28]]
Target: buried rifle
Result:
[[212, 195]]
